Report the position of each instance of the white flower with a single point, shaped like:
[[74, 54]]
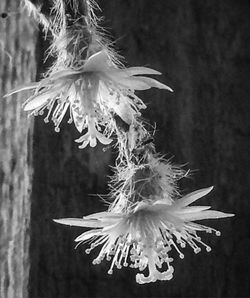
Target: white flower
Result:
[[145, 237], [97, 90]]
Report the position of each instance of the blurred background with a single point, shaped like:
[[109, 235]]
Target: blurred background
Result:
[[202, 49]]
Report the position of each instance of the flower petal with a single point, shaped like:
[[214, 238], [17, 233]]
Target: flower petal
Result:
[[79, 222], [192, 197], [154, 83], [97, 62], [208, 214], [132, 83], [22, 88], [125, 112], [89, 234], [131, 71], [191, 209], [141, 70], [103, 214], [64, 74], [36, 101]]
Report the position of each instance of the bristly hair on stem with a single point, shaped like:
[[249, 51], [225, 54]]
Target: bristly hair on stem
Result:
[[153, 177]]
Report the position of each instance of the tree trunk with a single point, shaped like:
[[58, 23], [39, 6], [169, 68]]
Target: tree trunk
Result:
[[17, 66], [200, 46]]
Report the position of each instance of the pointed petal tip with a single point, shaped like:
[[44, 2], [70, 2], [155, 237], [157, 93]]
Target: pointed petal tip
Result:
[[210, 188], [205, 191], [230, 214], [26, 108], [77, 239], [57, 220], [192, 197], [141, 70], [67, 221], [22, 88], [223, 214]]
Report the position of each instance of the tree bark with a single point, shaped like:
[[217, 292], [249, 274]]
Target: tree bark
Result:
[[17, 66], [200, 47]]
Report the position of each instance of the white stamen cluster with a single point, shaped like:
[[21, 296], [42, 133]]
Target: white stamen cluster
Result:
[[145, 237]]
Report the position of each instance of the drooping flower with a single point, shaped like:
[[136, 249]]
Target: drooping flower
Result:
[[93, 94], [145, 237]]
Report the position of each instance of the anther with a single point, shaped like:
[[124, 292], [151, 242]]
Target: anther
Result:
[[208, 248]]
